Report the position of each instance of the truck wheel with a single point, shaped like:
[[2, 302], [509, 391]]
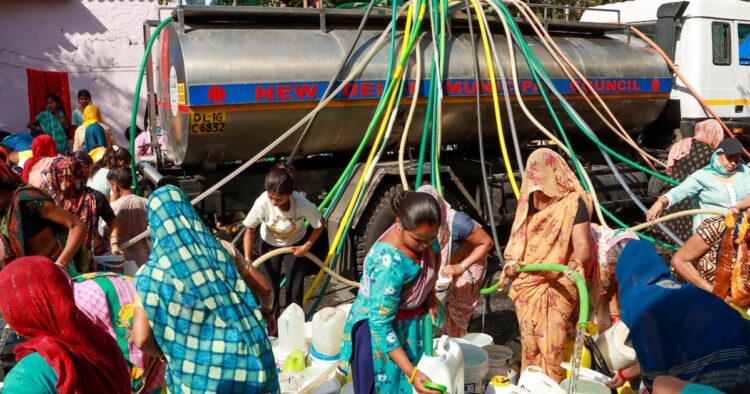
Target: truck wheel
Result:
[[374, 222]]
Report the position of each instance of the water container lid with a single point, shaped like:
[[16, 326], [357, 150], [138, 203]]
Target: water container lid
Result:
[[500, 381]]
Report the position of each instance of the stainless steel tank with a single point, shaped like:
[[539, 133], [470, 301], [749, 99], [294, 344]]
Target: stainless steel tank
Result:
[[233, 79]]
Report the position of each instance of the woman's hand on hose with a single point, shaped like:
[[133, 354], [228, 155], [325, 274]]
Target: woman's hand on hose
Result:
[[510, 269], [655, 211], [452, 270], [419, 381]]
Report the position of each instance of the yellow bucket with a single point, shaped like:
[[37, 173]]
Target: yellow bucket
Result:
[[591, 329]]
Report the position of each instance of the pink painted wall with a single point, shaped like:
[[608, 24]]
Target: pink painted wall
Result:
[[98, 42]]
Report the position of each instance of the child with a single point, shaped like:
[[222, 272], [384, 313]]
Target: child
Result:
[[282, 212], [84, 99]]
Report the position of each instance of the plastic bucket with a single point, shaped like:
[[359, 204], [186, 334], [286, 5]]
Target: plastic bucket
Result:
[[478, 339], [616, 353], [586, 387], [476, 365], [533, 380], [109, 263], [500, 359], [330, 386]]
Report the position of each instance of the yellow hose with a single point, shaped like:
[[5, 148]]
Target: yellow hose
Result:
[[549, 134], [288, 250], [352, 203], [495, 99]]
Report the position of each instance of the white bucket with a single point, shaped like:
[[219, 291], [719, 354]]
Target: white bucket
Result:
[[289, 382], [476, 365], [586, 387], [348, 388], [616, 353], [279, 354], [478, 339], [500, 359], [330, 386]]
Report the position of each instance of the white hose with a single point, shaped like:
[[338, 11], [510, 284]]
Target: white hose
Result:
[[410, 117], [356, 71], [566, 65]]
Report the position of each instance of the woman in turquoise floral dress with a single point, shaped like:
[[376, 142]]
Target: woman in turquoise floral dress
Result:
[[383, 334]]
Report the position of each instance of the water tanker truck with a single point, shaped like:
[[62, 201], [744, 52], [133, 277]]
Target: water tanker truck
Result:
[[231, 80]]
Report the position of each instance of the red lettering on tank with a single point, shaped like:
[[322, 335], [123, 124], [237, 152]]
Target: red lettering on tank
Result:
[[486, 87], [284, 92], [381, 87], [350, 90], [411, 86], [526, 86], [511, 86], [367, 89], [611, 86], [470, 88], [452, 88], [655, 85], [635, 86], [305, 91], [622, 86], [264, 93]]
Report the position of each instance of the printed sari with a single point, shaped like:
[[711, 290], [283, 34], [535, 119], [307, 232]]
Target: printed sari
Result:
[[545, 302]]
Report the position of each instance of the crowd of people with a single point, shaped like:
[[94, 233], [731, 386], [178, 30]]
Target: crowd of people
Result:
[[197, 315]]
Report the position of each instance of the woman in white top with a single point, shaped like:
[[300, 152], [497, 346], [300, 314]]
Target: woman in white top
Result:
[[281, 214]]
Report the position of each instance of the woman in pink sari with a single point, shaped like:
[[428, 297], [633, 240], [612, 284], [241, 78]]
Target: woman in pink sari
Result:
[[464, 247]]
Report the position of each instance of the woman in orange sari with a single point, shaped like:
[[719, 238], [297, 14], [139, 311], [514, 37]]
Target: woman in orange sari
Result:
[[551, 226]]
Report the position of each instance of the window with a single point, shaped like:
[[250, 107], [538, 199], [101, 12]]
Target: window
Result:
[[743, 38], [721, 43], [648, 29]]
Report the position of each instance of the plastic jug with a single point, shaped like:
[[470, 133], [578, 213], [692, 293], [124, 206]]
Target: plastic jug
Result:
[[328, 331], [291, 327], [535, 381], [446, 367], [501, 385], [616, 353]]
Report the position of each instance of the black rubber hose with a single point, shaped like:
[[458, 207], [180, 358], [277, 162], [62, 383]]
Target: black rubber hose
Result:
[[487, 198], [332, 82]]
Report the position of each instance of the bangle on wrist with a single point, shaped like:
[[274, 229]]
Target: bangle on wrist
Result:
[[621, 374], [413, 375]]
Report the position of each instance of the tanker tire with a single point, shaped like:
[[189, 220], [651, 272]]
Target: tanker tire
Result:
[[374, 222]]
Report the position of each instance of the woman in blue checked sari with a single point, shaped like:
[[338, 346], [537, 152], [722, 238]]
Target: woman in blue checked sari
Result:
[[199, 313]]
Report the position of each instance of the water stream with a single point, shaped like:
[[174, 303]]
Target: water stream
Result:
[[575, 365]]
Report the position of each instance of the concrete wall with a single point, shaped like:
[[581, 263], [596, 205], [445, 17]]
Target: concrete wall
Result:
[[98, 42]]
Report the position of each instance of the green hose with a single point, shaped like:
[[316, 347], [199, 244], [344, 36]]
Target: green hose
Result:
[[425, 129], [531, 58], [583, 294], [136, 99], [428, 335]]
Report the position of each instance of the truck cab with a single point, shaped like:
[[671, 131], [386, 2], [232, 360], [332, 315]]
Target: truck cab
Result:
[[708, 40]]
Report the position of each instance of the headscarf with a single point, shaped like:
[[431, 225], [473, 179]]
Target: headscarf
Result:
[[678, 329], [37, 301], [444, 235], [65, 181], [91, 115], [189, 268], [709, 132], [545, 237], [95, 137], [718, 169], [9, 180], [42, 146]]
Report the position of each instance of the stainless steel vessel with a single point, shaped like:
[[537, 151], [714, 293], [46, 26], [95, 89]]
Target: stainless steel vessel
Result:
[[231, 80]]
